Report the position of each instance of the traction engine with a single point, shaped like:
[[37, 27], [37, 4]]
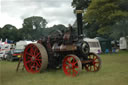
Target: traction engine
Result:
[[66, 51]]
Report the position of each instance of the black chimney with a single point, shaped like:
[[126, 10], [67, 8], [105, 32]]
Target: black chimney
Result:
[[79, 21]]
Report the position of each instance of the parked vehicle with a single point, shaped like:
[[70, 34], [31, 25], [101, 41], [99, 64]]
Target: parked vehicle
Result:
[[14, 54], [94, 45], [3, 55], [4, 49]]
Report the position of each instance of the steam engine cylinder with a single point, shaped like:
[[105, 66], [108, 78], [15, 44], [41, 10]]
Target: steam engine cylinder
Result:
[[82, 47], [63, 47]]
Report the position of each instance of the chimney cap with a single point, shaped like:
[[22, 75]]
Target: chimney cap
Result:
[[79, 11]]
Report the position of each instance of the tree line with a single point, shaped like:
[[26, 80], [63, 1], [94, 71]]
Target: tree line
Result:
[[33, 28]]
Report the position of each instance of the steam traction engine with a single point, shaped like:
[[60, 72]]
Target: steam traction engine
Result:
[[65, 50]]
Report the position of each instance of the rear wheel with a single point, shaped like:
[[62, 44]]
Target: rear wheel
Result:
[[72, 65], [35, 58], [95, 63]]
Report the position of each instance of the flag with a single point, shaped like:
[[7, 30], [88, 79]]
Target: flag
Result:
[[6, 41], [1, 41]]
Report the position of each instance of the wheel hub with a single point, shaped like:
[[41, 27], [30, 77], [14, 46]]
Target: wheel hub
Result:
[[70, 66], [33, 58]]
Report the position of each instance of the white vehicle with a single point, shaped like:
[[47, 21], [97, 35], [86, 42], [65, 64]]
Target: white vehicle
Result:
[[3, 54], [123, 43], [5, 48], [94, 45]]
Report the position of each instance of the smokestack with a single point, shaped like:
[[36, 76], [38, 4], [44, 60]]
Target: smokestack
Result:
[[79, 21]]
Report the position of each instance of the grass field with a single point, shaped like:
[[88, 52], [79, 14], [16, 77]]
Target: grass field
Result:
[[114, 71]]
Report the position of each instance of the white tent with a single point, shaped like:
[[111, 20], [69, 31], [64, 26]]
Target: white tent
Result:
[[123, 43], [22, 44]]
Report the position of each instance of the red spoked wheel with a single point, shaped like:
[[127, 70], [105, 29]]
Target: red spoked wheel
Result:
[[72, 65], [95, 63], [35, 58]]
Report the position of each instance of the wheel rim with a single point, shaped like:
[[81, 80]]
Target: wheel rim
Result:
[[32, 58], [71, 65], [95, 65]]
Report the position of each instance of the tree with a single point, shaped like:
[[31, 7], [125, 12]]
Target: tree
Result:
[[105, 14], [34, 22], [10, 32], [90, 30], [54, 29], [58, 27], [33, 27], [121, 29], [81, 3], [123, 5]]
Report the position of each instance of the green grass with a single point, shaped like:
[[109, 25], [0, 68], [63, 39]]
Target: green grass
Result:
[[114, 71]]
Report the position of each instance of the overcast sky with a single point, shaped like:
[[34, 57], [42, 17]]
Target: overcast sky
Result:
[[54, 11]]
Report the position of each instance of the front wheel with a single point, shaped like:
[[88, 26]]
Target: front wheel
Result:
[[72, 65]]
